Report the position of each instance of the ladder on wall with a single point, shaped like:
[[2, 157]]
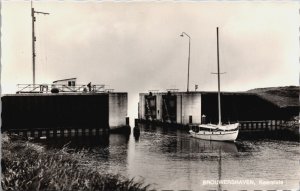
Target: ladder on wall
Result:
[[148, 109], [167, 112]]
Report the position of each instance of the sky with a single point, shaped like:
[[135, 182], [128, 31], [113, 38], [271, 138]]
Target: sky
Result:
[[135, 47]]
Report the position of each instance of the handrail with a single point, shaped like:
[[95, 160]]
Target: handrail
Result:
[[25, 87], [44, 88]]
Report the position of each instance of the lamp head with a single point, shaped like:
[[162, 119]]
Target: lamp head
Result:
[[181, 35]]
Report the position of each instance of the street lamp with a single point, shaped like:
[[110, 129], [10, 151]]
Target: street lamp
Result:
[[188, 77]]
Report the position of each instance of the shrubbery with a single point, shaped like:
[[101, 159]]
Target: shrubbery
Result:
[[28, 166]]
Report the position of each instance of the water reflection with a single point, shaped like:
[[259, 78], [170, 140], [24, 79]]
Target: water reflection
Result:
[[85, 142], [175, 140], [169, 158], [190, 161]]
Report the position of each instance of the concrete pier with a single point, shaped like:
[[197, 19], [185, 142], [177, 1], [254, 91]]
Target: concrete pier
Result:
[[201, 107]]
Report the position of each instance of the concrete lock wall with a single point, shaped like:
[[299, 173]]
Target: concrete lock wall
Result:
[[142, 103], [76, 110], [117, 109], [236, 106], [36, 111], [169, 108], [179, 109], [188, 104], [141, 108], [159, 106], [148, 106]]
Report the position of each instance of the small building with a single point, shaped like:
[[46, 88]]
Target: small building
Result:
[[66, 82], [202, 107]]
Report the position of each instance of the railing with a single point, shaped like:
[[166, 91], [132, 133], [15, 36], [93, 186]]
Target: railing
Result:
[[172, 90], [267, 125], [61, 88]]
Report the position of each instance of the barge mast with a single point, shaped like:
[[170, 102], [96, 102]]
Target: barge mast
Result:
[[34, 39]]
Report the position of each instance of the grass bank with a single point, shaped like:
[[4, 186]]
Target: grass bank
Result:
[[28, 166]]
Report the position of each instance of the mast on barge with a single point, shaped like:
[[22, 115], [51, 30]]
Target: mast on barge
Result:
[[34, 39]]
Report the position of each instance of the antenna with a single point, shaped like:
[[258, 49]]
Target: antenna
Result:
[[34, 39]]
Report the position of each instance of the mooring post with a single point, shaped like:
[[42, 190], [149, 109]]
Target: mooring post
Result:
[[58, 132], [190, 119], [62, 132], [28, 133], [47, 133], [69, 132], [54, 132], [85, 132], [127, 121], [97, 131], [260, 125]]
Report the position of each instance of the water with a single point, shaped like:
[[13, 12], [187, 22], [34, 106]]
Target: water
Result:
[[171, 159]]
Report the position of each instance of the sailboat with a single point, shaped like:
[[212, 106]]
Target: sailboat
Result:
[[216, 132]]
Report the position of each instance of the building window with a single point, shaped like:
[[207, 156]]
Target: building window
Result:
[[71, 83]]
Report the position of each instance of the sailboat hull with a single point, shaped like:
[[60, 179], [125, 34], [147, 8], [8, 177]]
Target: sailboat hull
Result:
[[216, 135]]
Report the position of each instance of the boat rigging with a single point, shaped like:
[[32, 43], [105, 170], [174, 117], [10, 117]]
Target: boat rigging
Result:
[[217, 132]]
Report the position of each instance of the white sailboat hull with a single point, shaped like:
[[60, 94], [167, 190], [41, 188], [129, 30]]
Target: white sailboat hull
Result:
[[227, 127], [217, 135]]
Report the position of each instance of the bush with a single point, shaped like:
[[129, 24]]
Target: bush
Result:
[[28, 166]]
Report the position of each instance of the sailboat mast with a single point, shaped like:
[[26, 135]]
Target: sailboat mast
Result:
[[219, 94]]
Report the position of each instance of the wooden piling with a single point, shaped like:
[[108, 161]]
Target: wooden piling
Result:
[[190, 119]]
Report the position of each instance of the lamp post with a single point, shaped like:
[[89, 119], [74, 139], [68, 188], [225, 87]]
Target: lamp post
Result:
[[188, 77]]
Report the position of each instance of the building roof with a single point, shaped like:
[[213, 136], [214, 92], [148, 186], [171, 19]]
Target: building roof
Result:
[[64, 80]]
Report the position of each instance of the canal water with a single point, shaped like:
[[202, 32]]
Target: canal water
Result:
[[170, 159]]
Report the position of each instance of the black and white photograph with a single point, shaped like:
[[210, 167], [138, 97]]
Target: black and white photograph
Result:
[[150, 95]]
